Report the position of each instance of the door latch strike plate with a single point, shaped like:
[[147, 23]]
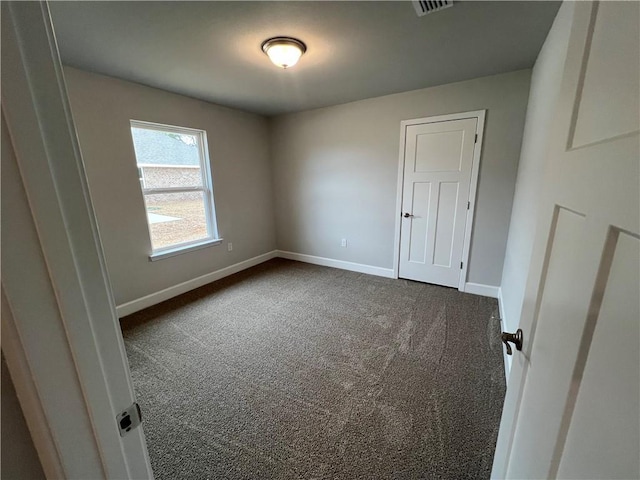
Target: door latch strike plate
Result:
[[129, 419]]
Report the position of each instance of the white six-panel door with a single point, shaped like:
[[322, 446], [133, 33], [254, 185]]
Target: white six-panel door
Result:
[[438, 160], [573, 404]]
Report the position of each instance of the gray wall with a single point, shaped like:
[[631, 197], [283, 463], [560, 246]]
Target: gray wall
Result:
[[238, 147], [545, 87], [19, 458], [335, 171]]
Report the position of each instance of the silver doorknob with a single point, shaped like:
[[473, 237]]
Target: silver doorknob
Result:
[[407, 215]]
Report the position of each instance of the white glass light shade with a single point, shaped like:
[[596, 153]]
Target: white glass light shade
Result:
[[283, 51], [284, 55]]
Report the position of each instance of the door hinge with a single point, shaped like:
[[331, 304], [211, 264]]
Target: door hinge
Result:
[[461, 264], [476, 140], [129, 419], [468, 205]]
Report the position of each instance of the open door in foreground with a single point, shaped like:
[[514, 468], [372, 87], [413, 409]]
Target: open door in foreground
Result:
[[60, 333], [572, 405]]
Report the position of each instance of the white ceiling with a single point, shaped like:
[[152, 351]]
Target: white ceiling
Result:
[[356, 50]]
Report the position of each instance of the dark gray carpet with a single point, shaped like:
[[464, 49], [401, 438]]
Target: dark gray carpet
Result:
[[294, 371]]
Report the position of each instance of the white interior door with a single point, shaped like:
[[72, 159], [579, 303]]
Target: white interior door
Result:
[[572, 407], [438, 160]]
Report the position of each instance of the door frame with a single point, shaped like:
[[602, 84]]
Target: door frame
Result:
[[473, 187], [61, 336]]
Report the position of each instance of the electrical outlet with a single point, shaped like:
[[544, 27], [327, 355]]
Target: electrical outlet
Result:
[[343, 243], [229, 246]]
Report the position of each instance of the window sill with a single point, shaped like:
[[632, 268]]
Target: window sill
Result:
[[172, 252]]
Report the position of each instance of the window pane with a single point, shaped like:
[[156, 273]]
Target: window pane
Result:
[[167, 159], [176, 218]]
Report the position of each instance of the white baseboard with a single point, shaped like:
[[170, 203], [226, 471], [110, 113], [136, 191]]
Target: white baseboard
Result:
[[330, 262], [481, 289], [170, 292], [507, 358]]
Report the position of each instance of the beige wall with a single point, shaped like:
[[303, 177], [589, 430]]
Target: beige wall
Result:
[[332, 173], [238, 147], [545, 87], [335, 171]]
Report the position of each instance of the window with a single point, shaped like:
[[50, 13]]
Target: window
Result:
[[175, 178]]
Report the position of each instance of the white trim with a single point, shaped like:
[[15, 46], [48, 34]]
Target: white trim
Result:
[[160, 165], [184, 248], [481, 289], [154, 298], [341, 264], [170, 190], [475, 169], [444, 118], [170, 292], [473, 188], [163, 127], [507, 358], [398, 212]]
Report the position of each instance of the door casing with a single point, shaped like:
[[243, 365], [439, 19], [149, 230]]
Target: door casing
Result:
[[475, 169], [61, 336]]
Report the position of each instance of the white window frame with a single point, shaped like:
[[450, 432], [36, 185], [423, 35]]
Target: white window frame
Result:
[[212, 237]]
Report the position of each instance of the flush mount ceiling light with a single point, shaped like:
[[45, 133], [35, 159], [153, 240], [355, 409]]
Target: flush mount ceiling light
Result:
[[284, 51]]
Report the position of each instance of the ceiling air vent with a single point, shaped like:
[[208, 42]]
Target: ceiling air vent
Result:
[[429, 6]]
